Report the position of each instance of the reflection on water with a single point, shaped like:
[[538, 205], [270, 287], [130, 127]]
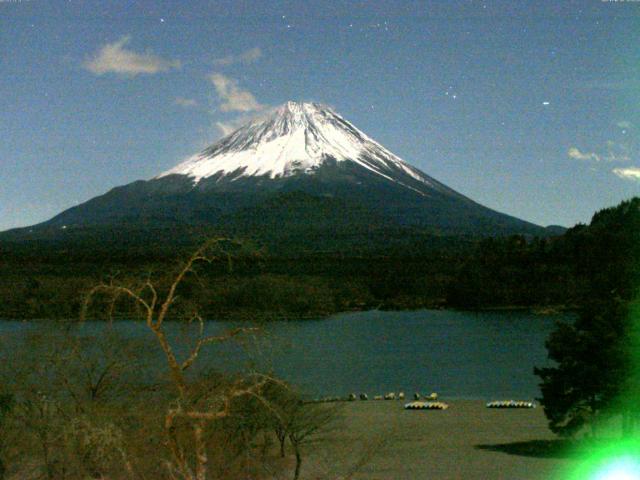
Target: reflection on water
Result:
[[457, 354]]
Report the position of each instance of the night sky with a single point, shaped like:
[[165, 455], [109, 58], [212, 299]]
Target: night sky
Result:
[[530, 108]]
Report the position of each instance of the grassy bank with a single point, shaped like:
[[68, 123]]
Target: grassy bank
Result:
[[467, 441]]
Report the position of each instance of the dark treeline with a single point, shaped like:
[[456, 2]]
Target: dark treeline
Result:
[[564, 270], [280, 280], [594, 373], [253, 283]]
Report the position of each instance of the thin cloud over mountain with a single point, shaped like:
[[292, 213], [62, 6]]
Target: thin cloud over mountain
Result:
[[248, 56]]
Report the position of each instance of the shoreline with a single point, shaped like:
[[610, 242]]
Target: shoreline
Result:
[[467, 441], [268, 316]]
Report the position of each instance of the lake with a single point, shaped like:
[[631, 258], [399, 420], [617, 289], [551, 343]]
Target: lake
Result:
[[465, 355]]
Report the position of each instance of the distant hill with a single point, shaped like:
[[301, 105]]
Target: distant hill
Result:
[[555, 229], [303, 175], [46, 276], [330, 221], [561, 270]]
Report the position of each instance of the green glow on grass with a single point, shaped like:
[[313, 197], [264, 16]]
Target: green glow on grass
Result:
[[624, 468], [610, 456], [615, 461]]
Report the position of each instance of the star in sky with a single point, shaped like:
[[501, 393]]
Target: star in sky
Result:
[[403, 88]]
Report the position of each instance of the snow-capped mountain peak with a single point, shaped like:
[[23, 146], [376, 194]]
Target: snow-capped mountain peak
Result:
[[301, 175], [295, 138]]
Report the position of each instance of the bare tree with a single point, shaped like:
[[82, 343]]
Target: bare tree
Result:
[[87, 421], [305, 422], [7, 404], [189, 457], [294, 420]]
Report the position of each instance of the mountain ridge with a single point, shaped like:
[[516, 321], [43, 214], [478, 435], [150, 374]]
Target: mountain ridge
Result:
[[296, 138], [298, 147]]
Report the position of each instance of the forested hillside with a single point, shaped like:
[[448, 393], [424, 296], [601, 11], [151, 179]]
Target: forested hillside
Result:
[[42, 279]]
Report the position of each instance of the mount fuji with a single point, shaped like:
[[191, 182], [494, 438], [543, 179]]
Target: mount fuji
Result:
[[302, 172], [299, 138]]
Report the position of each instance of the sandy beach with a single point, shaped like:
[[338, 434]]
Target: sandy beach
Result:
[[467, 441]]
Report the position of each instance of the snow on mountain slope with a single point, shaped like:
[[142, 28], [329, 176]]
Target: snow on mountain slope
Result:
[[297, 138], [298, 172]]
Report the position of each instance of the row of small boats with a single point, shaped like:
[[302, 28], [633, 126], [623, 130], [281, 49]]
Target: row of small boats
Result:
[[388, 396], [511, 404], [419, 405], [393, 396], [428, 405], [426, 402]]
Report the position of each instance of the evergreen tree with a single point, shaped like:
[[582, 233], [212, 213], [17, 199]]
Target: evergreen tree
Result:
[[595, 357], [591, 360]]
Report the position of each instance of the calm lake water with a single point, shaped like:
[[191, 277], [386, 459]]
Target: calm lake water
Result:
[[484, 355]]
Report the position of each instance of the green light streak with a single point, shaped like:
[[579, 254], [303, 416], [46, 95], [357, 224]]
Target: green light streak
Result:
[[612, 456], [614, 461]]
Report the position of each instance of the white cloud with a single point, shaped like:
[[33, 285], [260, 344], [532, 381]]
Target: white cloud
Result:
[[575, 153], [232, 125], [115, 58], [240, 104], [226, 128], [629, 173], [248, 56], [185, 102], [616, 153], [234, 99]]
